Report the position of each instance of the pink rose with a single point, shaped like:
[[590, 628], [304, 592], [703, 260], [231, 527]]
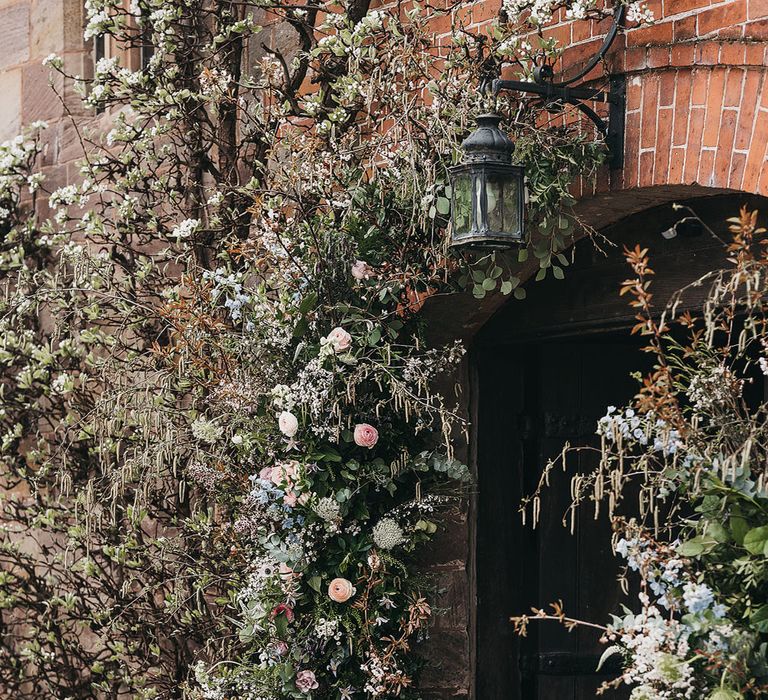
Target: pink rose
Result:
[[361, 270], [290, 499], [366, 435], [266, 474], [285, 473], [340, 590], [339, 340], [281, 648], [288, 424], [306, 681]]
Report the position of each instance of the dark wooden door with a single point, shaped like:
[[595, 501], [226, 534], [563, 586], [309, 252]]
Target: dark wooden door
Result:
[[534, 398], [546, 369]]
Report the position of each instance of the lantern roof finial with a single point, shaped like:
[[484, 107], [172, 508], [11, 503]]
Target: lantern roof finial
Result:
[[488, 142]]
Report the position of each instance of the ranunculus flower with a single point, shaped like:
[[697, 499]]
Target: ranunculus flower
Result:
[[288, 424], [361, 270], [366, 435], [306, 681], [284, 473], [339, 339], [282, 609], [340, 590]]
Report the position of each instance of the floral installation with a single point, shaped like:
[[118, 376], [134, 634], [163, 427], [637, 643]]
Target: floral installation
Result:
[[692, 444], [222, 443]]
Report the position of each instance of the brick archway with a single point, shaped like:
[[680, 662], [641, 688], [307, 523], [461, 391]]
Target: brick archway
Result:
[[697, 120], [697, 126]]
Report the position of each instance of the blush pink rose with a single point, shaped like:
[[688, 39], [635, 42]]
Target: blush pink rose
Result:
[[266, 474], [339, 339], [340, 590], [285, 473], [288, 424], [290, 499], [306, 681], [366, 435]]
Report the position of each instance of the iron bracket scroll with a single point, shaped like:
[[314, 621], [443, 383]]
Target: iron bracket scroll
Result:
[[556, 94]]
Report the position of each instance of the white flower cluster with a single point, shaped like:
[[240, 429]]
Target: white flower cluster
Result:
[[659, 649], [97, 12], [352, 38], [659, 645], [617, 426], [204, 475], [713, 388], [639, 12], [207, 431], [214, 83], [67, 195], [698, 597], [579, 9], [328, 509], [63, 384], [283, 398], [15, 154], [311, 390], [387, 534], [328, 629], [185, 229], [542, 11], [381, 672], [229, 286], [237, 684]]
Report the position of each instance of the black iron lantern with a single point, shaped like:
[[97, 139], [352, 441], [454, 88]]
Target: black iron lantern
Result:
[[487, 190], [488, 197]]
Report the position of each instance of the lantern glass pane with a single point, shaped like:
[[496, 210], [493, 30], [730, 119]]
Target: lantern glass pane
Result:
[[462, 203], [504, 202], [495, 195]]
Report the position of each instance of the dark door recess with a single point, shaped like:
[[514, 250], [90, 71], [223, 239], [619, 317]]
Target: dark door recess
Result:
[[546, 369], [534, 398]]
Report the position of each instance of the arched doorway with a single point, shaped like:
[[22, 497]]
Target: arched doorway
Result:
[[546, 370]]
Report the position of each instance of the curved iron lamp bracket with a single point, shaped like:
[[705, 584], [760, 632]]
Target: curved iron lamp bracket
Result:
[[556, 94]]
